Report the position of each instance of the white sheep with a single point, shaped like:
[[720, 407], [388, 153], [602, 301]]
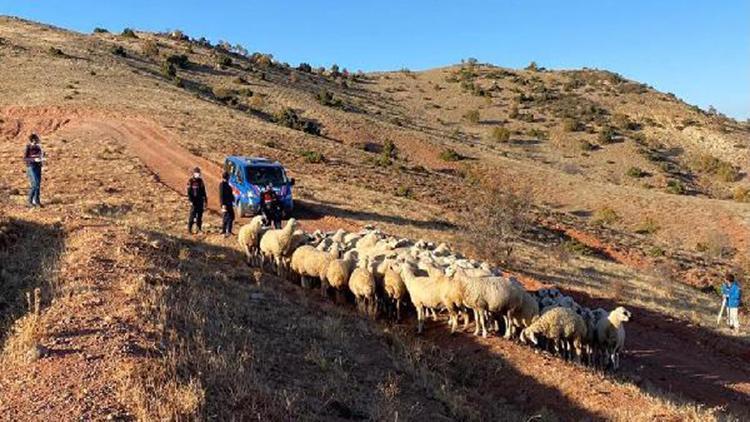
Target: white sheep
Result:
[[523, 316], [362, 285], [311, 263], [338, 273], [393, 287], [274, 244], [610, 334], [489, 296], [431, 292], [562, 327], [249, 239]]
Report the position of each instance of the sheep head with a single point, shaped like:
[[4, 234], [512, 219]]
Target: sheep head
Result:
[[620, 314]]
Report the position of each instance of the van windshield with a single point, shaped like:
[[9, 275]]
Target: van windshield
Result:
[[262, 176]]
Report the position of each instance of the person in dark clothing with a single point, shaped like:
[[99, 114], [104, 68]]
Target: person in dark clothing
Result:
[[227, 205], [33, 157], [196, 192], [270, 206]]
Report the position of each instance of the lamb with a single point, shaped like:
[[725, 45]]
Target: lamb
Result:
[[610, 334], [560, 325], [274, 244], [249, 239], [338, 273], [428, 292], [362, 285]]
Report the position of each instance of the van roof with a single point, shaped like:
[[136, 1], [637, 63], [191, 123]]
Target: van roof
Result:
[[254, 161]]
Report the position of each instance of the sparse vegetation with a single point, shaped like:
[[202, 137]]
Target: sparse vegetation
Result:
[[723, 170], [676, 187], [741, 194], [585, 145], [168, 70], [179, 60], [472, 116], [56, 52], [635, 172], [404, 192], [118, 50], [647, 226], [313, 157], [605, 216], [98, 30], [450, 154], [500, 134], [289, 118], [327, 98], [572, 125], [151, 49], [606, 135]]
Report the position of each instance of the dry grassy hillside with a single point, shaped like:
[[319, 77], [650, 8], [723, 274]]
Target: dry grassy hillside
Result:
[[629, 196]]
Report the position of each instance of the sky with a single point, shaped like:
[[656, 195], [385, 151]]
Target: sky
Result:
[[698, 50]]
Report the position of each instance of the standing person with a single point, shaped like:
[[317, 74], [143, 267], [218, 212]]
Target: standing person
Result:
[[732, 295], [33, 158], [227, 205], [270, 206], [196, 192]]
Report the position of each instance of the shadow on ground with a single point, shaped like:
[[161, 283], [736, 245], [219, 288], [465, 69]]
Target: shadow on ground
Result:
[[26, 262]]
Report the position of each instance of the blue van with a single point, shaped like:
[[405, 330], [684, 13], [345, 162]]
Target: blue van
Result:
[[248, 176]]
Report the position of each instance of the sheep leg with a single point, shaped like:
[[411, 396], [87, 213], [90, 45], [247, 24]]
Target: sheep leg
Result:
[[506, 321], [483, 323], [420, 319], [467, 319], [476, 322], [398, 310]]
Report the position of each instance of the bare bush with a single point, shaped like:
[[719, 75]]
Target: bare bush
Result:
[[500, 220]]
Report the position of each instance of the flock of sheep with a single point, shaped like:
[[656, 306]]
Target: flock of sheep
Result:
[[385, 273]]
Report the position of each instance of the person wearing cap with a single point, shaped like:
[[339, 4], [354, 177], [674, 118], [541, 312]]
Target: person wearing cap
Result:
[[33, 157], [227, 205], [732, 296], [196, 192]]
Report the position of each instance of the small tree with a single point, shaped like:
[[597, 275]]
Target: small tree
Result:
[[168, 70], [304, 67], [179, 60], [532, 67], [98, 30], [500, 220], [128, 33]]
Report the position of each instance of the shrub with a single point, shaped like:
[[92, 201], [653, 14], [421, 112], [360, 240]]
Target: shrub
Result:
[[313, 157], [574, 247], [304, 67], [532, 67], [179, 60], [128, 33], [450, 154], [716, 245], [500, 134], [326, 98], [606, 135], [741, 194], [168, 70], [54, 51], [723, 170], [513, 113], [586, 145], [389, 148], [605, 216], [151, 48], [623, 122], [223, 94], [647, 226], [222, 60], [472, 116], [538, 134], [118, 50], [656, 251], [404, 192], [98, 30], [676, 187], [572, 125], [635, 172], [289, 118]]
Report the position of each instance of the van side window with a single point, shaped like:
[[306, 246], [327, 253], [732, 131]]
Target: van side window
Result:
[[238, 173]]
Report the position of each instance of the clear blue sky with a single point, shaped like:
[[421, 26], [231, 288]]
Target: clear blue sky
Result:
[[700, 50]]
